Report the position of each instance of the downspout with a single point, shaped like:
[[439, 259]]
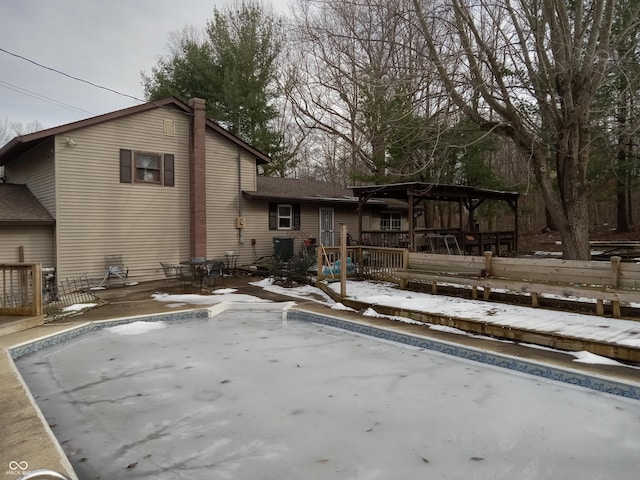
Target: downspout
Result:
[[239, 210]]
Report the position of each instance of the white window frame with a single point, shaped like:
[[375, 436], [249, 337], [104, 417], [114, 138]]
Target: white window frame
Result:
[[390, 221], [280, 217]]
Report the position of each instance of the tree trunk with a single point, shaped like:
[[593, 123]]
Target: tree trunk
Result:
[[550, 224], [568, 206], [575, 235], [622, 224]]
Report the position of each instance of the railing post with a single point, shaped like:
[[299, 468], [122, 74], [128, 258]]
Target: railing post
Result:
[[36, 285], [487, 262], [319, 248], [615, 271], [343, 260]]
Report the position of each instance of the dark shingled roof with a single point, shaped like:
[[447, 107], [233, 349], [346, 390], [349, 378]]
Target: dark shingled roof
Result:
[[18, 206], [306, 191]]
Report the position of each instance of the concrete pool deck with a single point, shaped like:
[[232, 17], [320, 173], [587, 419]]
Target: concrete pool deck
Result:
[[27, 436]]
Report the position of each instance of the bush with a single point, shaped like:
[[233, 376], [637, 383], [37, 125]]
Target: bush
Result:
[[53, 312]]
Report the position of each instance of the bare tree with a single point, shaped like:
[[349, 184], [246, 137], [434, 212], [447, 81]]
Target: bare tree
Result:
[[362, 82], [532, 72], [9, 129]]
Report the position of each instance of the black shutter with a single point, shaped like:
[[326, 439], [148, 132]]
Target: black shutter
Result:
[[273, 216], [296, 216], [168, 170], [125, 166]]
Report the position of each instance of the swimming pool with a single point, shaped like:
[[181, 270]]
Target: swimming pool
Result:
[[248, 394]]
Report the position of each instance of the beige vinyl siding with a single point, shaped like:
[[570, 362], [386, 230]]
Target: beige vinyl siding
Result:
[[37, 242], [257, 216], [98, 215], [223, 198], [36, 169]]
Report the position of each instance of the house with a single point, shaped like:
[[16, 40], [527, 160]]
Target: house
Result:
[[157, 182], [305, 209]]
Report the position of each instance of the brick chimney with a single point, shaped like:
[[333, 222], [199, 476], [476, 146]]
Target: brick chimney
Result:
[[197, 180]]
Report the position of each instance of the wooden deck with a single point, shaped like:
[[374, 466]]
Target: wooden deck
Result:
[[607, 249]]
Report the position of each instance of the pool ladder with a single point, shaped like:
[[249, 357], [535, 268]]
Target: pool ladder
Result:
[[43, 474]]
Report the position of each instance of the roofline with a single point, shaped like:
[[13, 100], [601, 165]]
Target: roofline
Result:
[[413, 186], [27, 223], [352, 201], [87, 122]]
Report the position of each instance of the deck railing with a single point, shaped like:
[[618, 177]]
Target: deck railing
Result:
[[444, 240], [21, 289], [377, 263]]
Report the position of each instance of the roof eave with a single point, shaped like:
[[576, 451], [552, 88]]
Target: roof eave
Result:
[[27, 223], [289, 198]]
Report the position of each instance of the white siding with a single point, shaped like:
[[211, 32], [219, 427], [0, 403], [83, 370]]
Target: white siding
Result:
[[37, 242], [98, 215]]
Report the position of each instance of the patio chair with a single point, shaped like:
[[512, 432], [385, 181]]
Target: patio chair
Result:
[[171, 274], [214, 272], [186, 277], [114, 267]]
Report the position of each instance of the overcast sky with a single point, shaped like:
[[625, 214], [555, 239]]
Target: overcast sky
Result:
[[106, 42]]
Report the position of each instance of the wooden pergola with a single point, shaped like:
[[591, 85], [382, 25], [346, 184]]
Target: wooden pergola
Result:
[[467, 197]]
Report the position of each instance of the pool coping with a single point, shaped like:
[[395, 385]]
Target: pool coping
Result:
[[31, 436], [627, 389], [293, 311]]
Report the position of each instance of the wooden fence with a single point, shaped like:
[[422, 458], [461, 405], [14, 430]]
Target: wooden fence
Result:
[[614, 282], [613, 274], [21, 289]]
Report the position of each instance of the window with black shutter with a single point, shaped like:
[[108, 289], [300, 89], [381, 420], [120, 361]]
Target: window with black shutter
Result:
[[284, 216], [125, 166], [168, 170], [147, 167]]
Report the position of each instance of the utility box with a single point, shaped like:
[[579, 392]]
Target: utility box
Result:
[[283, 248]]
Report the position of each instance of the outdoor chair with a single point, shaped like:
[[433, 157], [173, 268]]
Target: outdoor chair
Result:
[[213, 272], [186, 276], [171, 274], [114, 267]]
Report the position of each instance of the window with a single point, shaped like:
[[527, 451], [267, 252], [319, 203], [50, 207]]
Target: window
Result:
[[284, 216], [390, 221], [146, 167]]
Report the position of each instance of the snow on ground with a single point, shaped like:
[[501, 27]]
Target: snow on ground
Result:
[[78, 307], [623, 332], [135, 328], [204, 300]]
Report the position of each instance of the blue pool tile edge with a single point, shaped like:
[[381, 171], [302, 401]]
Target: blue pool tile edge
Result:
[[33, 346], [592, 382]]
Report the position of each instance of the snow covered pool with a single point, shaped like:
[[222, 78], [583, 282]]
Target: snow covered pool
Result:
[[246, 395]]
